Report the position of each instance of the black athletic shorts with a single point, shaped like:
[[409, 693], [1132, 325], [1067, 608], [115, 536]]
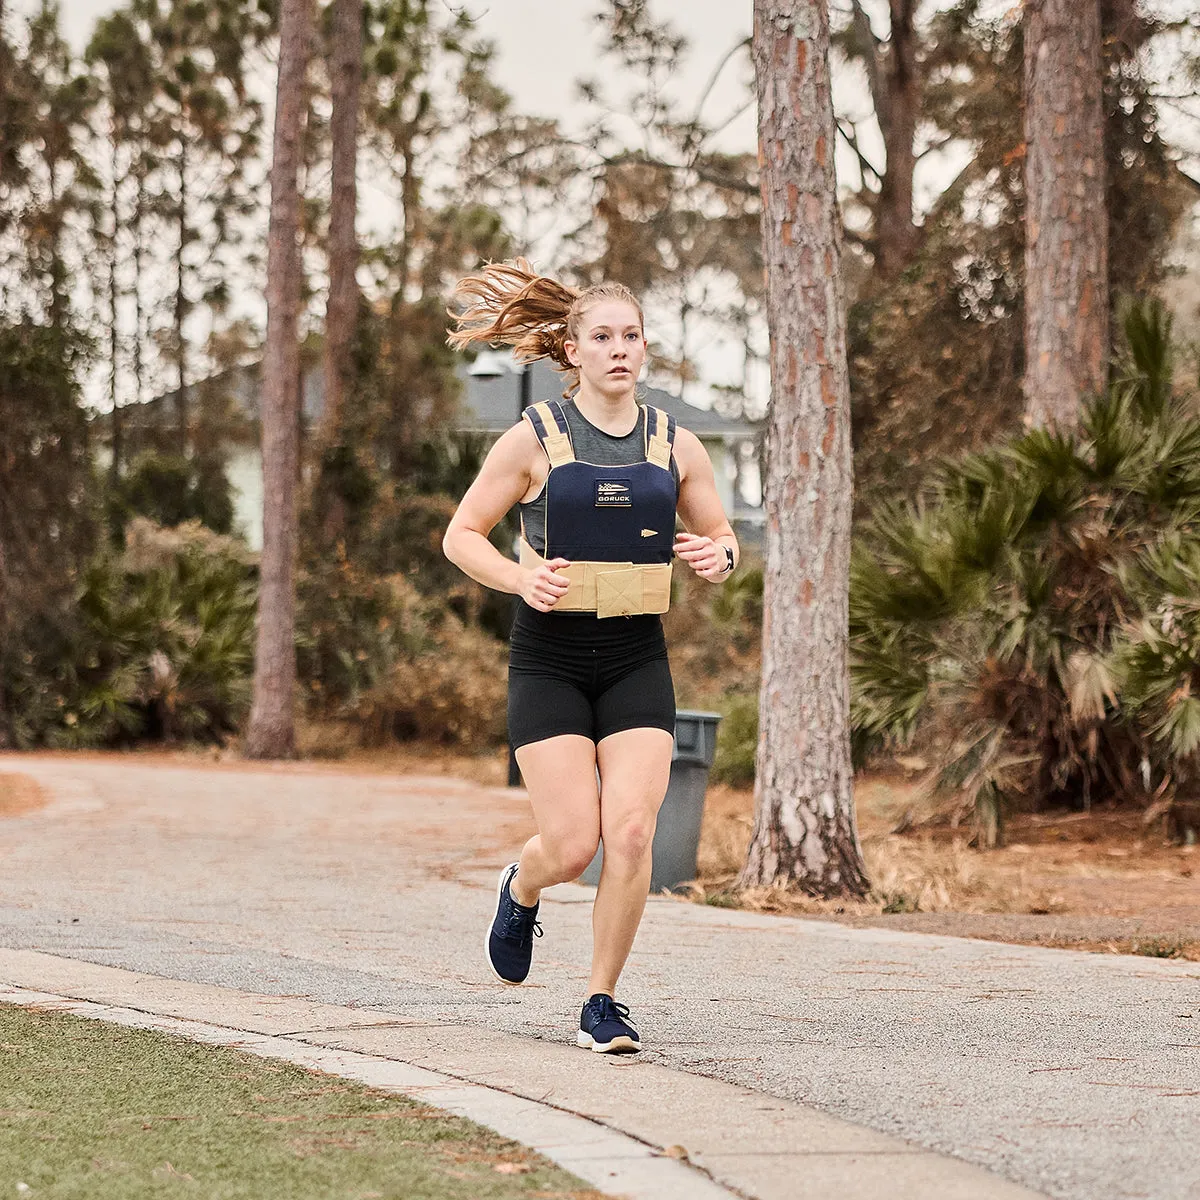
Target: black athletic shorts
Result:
[[579, 673]]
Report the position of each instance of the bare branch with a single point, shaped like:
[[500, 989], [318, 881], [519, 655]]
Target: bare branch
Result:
[[864, 163], [1184, 177], [744, 44], [870, 45]]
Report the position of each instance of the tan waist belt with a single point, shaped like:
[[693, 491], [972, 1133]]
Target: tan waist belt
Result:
[[610, 589]]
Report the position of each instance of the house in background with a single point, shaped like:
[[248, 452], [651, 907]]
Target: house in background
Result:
[[492, 392]]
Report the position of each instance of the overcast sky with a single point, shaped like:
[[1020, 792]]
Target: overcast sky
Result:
[[543, 45]]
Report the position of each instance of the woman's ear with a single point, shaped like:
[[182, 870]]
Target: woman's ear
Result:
[[569, 349]]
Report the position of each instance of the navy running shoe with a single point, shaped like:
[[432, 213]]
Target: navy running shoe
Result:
[[509, 941], [603, 1027]]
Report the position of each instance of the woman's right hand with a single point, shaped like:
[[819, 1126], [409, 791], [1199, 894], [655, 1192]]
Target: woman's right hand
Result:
[[541, 587]]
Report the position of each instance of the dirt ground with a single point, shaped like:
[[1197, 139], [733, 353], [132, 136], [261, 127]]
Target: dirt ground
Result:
[[1100, 880], [1097, 881]]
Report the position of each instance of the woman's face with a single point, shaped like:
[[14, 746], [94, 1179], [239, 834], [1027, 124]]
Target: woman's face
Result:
[[611, 347]]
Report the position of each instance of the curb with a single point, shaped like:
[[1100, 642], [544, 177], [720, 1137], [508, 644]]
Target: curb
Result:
[[611, 1162], [621, 1125]]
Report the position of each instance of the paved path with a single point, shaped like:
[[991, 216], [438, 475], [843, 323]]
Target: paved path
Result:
[[1076, 1075]]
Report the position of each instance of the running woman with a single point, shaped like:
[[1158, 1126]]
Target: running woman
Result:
[[600, 480]]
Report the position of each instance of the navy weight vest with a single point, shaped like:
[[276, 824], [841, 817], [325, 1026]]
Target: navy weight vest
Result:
[[601, 513]]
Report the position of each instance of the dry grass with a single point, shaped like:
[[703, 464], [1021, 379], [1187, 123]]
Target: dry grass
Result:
[[1102, 863], [331, 741]]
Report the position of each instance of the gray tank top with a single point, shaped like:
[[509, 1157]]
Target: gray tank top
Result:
[[594, 446]]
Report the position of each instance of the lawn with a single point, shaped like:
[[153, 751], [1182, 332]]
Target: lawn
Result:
[[99, 1112]]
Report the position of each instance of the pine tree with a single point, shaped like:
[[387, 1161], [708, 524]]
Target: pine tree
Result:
[[206, 123], [345, 72], [1066, 223], [271, 732], [804, 830]]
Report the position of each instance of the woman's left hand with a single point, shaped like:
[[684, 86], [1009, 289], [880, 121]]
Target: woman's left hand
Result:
[[702, 554]]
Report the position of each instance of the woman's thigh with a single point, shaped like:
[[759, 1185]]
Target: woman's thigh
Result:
[[635, 768], [560, 775]]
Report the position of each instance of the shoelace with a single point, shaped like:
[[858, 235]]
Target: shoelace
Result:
[[610, 1010], [521, 926]]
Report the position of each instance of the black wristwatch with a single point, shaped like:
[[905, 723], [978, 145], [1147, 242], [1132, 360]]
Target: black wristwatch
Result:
[[728, 558]]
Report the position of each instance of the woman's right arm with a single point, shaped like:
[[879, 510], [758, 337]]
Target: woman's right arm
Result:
[[503, 479]]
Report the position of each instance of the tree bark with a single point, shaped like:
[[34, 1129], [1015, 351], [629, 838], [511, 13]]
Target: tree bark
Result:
[[342, 310], [1066, 223], [271, 733], [804, 829]]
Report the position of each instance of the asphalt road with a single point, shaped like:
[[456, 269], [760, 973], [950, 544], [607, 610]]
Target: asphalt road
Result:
[[1075, 1074]]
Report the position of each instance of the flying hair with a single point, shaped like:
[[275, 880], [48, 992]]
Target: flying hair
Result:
[[509, 304]]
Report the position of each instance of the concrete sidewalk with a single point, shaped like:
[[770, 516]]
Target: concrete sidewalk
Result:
[[1075, 1075], [626, 1126]]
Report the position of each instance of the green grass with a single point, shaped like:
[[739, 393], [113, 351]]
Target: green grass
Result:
[[1159, 948], [90, 1111]]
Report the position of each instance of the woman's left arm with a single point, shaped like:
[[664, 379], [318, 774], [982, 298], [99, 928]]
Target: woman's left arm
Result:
[[700, 510]]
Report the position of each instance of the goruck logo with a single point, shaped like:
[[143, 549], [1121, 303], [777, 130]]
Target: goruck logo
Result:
[[613, 493]]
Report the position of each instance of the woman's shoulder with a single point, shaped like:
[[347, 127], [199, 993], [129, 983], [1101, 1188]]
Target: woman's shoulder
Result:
[[689, 451]]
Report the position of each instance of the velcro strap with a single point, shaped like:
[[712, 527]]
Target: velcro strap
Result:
[[619, 592], [609, 589], [659, 452], [660, 437]]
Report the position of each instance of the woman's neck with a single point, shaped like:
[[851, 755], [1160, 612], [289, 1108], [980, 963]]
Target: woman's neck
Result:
[[614, 414]]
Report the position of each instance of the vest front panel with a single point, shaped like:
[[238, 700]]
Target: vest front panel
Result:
[[610, 514]]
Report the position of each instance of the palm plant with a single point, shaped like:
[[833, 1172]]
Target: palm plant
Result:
[[158, 644], [1005, 619]]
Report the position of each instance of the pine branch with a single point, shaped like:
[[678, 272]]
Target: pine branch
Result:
[[864, 163]]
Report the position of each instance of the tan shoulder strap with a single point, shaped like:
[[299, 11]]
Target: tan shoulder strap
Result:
[[660, 437], [551, 429]]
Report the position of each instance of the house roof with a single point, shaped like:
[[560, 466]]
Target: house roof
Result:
[[490, 403]]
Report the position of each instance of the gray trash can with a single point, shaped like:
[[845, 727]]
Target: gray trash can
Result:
[[677, 837]]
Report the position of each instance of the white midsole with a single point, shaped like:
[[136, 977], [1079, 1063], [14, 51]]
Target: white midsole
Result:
[[487, 933], [618, 1043]]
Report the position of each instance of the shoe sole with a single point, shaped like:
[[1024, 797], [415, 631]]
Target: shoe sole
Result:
[[619, 1045], [487, 936]]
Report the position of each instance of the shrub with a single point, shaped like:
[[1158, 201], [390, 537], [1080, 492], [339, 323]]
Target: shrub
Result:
[[1030, 617], [374, 651], [737, 741], [169, 489], [158, 645]]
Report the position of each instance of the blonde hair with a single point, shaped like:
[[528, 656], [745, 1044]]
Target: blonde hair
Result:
[[509, 304]]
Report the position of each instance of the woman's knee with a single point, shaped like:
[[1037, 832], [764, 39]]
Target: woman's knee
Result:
[[571, 854], [630, 839]]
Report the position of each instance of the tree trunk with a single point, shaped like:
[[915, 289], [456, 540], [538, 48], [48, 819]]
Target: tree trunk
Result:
[[271, 733], [114, 305], [804, 831], [897, 234], [895, 94], [342, 310], [1066, 231], [181, 396], [138, 317]]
